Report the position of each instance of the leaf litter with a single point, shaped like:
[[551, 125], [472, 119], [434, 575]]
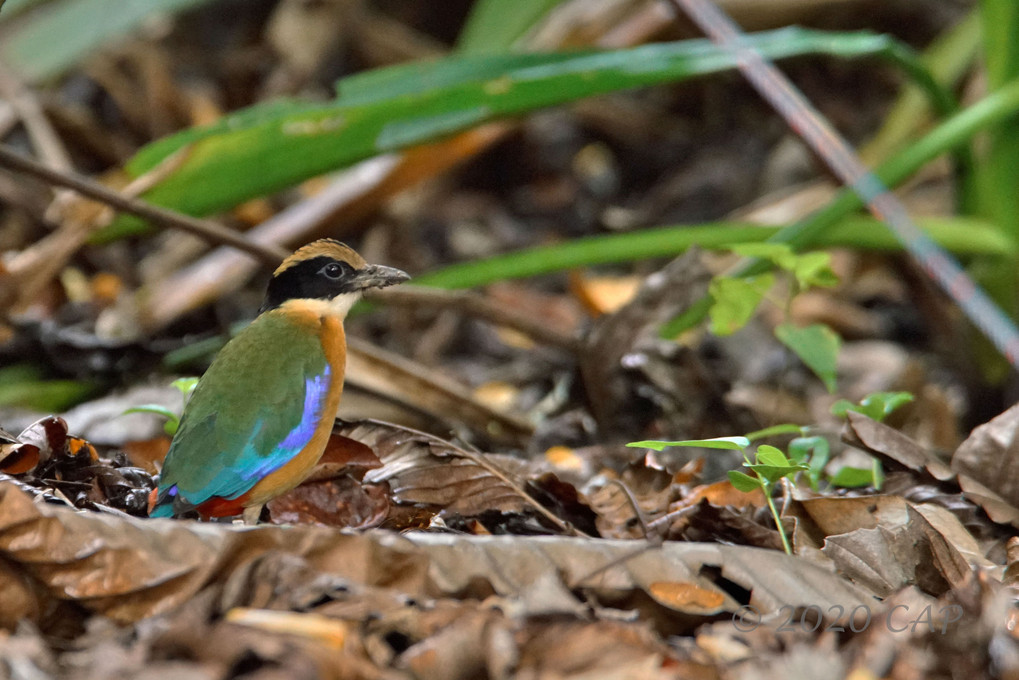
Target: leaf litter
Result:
[[695, 561]]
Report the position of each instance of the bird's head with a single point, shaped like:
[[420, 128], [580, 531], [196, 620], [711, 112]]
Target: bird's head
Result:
[[330, 271]]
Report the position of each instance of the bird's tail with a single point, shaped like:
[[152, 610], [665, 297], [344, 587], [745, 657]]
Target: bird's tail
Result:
[[160, 504]]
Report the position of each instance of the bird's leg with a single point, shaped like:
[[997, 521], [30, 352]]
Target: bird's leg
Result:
[[251, 514]]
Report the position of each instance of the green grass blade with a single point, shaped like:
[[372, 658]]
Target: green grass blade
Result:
[[24, 385], [998, 171], [274, 146], [962, 236], [948, 59]]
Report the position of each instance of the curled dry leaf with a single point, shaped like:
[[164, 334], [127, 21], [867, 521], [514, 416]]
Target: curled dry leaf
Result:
[[989, 446], [50, 461], [885, 543], [36, 444], [892, 446], [990, 456]]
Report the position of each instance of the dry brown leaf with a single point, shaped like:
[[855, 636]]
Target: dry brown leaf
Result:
[[458, 650], [842, 514], [985, 445], [344, 456], [928, 547], [422, 469], [882, 560], [722, 493], [626, 505], [605, 566], [891, 446], [608, 650], [990, 455], [127, 568], [952, 531], [341, 502]]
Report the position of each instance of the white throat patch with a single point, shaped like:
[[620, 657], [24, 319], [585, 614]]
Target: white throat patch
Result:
[[342, 303]]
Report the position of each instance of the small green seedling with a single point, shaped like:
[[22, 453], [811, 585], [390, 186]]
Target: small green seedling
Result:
[[734, 301], [878, 405], [768, 468], [185, 386]]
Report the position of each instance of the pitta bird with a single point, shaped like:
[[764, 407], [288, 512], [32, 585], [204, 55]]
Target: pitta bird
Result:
[[259, 419]]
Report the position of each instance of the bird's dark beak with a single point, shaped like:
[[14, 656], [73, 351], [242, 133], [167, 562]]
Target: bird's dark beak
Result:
[[377, 276]]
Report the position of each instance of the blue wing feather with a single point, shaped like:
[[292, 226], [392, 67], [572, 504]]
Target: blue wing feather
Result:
[[229, 439]]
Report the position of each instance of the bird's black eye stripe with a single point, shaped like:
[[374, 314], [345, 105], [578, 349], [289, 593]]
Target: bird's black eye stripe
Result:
[[335, 270]]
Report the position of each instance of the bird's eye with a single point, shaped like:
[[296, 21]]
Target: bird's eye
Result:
[[333, 270]]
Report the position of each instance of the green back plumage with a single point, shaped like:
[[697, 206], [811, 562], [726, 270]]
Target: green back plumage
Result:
[[251, 412]]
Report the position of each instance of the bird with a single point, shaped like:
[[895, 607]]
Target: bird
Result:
[[260, 417]]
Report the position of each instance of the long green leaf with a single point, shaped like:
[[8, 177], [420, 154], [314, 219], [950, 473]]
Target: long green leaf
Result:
[[272, 147], [997, 173], [726, 443], [962, 236], [60, 34]]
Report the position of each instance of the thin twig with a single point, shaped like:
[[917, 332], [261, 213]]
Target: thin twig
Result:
[[166, 218], [478, 460], [634, 505], [475, 305], [657, 524], [649, 544]]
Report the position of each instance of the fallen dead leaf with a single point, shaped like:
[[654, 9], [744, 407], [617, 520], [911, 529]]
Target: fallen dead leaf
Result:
[[127, 568], [990, 455]]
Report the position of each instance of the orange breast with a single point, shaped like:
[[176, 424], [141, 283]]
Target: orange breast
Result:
[[334, 344]]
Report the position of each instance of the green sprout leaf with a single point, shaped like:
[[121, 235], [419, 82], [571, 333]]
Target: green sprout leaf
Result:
[[814, 452], [185, 386], [743, 482], [855, 477], [816, 345], [735, 300], [878, 405], [784, 428], [729, 443], [813, 270], [770, 455], [773, 473], [172, 419]]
